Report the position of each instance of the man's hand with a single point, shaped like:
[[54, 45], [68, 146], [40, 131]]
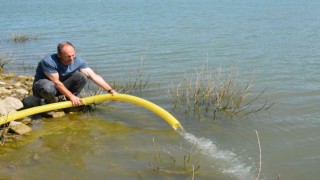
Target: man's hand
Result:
[[76, 101], [113, 92], [98, 80]]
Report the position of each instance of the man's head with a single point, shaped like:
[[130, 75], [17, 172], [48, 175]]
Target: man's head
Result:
[[66, 52]]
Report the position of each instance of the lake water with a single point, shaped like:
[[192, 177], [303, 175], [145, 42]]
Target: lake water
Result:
[[275, 43]]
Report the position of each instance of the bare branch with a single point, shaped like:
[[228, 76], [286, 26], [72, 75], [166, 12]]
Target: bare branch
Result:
[[259, 156]]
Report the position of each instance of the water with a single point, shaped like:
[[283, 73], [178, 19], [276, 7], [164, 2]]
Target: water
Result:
[[274, 42], [226, 161]]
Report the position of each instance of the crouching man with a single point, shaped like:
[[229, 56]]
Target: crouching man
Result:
[[63, 73]]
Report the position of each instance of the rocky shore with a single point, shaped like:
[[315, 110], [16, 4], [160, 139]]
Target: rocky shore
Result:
[[15, 95], [15, 86], [13, 89]]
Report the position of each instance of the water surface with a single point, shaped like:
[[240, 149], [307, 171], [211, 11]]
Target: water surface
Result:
[[276, 43]]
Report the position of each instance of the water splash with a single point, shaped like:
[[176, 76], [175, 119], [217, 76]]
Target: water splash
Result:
[[227, 161]]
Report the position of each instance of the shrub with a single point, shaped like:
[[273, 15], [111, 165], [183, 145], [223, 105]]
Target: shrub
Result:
[[213, 92]]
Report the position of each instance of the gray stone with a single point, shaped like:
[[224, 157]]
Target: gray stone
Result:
[[4, 91], [3, 110], [19, 127], [17, 85], [22, 91], [9, 104], [36, 157], [26, 120], [25, 78], [13, 103], [55, 114]]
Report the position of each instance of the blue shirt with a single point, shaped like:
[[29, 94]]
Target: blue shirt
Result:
[[51, 64]]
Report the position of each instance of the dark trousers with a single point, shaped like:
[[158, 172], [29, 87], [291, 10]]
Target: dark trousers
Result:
[[45, 89]]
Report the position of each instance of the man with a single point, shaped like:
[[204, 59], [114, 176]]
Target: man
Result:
[[65, 74]]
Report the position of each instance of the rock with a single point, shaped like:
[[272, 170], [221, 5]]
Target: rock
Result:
[[4, 91], [26, 120], [25, 78], [55, 114], [10, 85], [13, 103], [22, 91], [17, 85], [3, 110], [12, 90], [19, 127], [36, 157], [7, 76], [9, 104]]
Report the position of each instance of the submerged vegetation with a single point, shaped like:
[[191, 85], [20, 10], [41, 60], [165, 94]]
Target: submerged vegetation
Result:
[[212, 92], [16, 38], [23, 37], [136, 81], [4, 60], [174, 163], [206, 93]]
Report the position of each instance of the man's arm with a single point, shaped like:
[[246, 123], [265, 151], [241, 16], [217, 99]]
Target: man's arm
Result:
[[98, 80], [76, 101]]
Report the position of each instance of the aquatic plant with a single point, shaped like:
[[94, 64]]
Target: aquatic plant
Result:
[[23, 37], [4, 60], [136, 81], [212, 92], [3, 132], [167, 162], [4, 129]]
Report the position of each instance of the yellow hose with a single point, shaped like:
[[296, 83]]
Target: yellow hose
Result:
[[173, 122]]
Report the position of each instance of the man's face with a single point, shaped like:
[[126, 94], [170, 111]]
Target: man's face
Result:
[[67, 55]]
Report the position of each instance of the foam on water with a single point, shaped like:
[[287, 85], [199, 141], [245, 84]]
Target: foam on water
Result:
[[225, 160]]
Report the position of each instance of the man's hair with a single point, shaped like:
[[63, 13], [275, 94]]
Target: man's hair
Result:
[[61, 45]]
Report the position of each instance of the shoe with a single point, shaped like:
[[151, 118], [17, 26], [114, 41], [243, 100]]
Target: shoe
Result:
[[61, 98]]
